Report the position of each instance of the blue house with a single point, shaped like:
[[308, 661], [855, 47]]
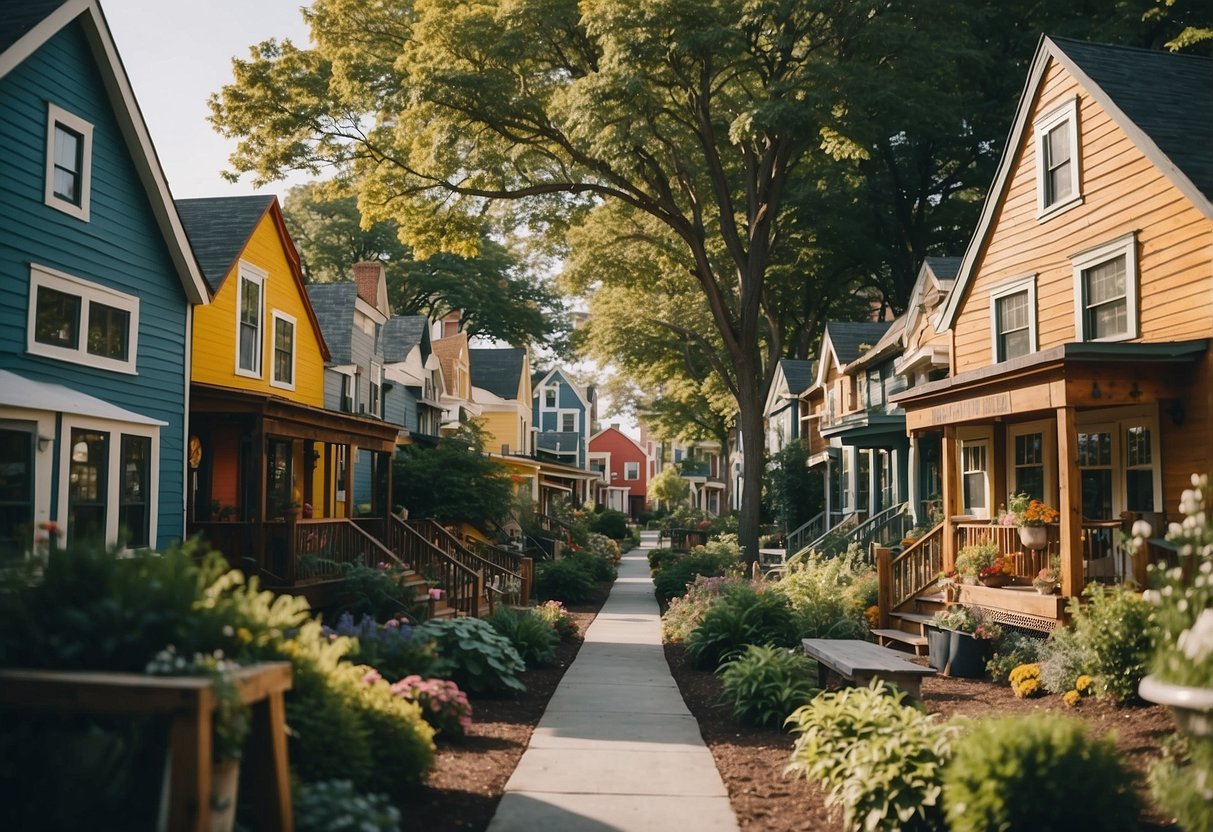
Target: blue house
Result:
[[97, 285], [412, 377], [562, 414]]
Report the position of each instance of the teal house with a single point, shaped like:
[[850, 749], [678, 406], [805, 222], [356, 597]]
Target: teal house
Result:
[[563, 416], [97, 287]]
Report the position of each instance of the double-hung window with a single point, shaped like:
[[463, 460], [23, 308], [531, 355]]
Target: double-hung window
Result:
[[74, 320], [375, 396], [1105, 291], [69, 154], [284, 351], [250, 310], [1056, 142], [631, 470], [1013, 318], [974, 468]]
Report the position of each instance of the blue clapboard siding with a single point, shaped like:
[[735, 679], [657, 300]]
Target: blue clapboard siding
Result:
[[120, 247], [548, 421]]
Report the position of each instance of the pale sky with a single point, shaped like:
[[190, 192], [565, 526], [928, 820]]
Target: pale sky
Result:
[[178, 52]]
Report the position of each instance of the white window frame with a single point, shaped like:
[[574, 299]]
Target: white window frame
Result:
[[277, 315], [976, 438], [374, 396], [59, 116], [116, 431], [553, 391], [43, 277], [1048, 430], [1117, 421], [560, 414], [1124, 246], [1013, 287], [1063, 116], [634, 468], [247, 271]]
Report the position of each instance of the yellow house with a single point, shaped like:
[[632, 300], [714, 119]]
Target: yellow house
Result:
[[261, 442], [501, 387]]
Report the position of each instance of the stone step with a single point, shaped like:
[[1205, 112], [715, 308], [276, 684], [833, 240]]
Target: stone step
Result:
[[901, 639]]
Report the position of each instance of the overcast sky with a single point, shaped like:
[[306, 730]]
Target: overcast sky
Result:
[[178, 52]]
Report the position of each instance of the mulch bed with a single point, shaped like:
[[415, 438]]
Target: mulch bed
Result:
[[470, 772], [751, 760]]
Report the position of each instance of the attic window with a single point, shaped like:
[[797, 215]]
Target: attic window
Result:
[[69, 162], [1056, 140]]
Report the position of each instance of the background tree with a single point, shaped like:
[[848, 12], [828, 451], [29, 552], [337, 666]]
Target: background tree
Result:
[[453, 482], [496, 293], [795, 493], [669, 488]]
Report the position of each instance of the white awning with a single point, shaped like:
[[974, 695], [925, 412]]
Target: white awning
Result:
[[18, 391]]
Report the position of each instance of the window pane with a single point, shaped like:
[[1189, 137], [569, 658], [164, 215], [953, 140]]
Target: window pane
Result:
[[1013, 312], [1031, 481], [133, 503], [87, 495], [284, 350], [69, 147], [1137, 441], [1094, 449], [1105, 282], [1014, 344], [16, 491], [1097, 494], [1139, 490], [975, 491], [108, 331], [57, 320], [1029, 449], [566, 422], [1109, 320]]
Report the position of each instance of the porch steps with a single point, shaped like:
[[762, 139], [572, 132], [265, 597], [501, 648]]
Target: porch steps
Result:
[[902, 640], [912, 621]]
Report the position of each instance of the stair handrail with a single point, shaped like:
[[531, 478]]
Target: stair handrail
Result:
[[867, 531], [525, 566], [904, 576], [815, 526], [496, 577], [464, 586], [852, 519]]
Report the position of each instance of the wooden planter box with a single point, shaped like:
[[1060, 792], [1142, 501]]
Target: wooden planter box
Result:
[[188, 703]]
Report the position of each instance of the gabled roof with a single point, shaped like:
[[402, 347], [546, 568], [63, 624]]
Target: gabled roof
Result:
[[1159, 99], [846, 337], [944, 268], [498, 371], [403, 332], [219, 229], [538, 380], [799, 374], [613, 429], [334, 306], [25, 26]]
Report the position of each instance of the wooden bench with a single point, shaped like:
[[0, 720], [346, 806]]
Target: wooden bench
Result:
[[860, 661]]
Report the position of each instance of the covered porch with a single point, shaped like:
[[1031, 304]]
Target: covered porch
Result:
[[1096, 430]]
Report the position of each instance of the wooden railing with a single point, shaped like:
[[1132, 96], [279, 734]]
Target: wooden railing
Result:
[[683, 540], [811, 530], [905, 575], [848, 522], [1103, 557], [888, 526], [512, 561], [464, 587], [498, 578]]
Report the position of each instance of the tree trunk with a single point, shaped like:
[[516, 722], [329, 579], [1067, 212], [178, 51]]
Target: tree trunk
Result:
[[749, 420]]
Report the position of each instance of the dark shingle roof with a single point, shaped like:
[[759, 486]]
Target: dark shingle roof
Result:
[[799, 374], [1167, 96], [219, 228], [497, 371], [945, 268], [401, 334], [847, 336], [333, 304], [17, 17]]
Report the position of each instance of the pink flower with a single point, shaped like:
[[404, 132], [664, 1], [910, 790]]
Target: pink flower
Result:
[[371, 677], [435, 594]]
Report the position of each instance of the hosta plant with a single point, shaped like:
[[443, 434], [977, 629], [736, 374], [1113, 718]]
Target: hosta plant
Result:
[[744, 617], [479, 659], [765, 684], [533, 638], [336, 806]]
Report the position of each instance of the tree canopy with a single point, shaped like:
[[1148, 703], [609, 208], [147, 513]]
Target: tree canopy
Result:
[[455, 481]]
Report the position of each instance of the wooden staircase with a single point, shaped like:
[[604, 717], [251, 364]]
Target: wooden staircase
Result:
[[908, 599]]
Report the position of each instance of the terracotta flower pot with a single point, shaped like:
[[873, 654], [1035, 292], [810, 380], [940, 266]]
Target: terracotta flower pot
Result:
[[1034, 537], [998, 580]]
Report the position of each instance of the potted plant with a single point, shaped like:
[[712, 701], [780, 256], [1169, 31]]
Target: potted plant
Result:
[[981, 562], [1032, 516], [969, 638], [948, 582], [1047, 580]]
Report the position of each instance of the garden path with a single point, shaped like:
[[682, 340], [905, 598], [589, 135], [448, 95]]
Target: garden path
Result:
[[617, 748]]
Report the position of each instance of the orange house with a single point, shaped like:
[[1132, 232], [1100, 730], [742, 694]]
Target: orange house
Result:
[[1078, 324]]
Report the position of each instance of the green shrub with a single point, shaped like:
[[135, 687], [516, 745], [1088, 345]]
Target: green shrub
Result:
[[828, 594], [563, 580], [658, 558], [480, 659], [880, 760], [599, 568], [377, 591], [1115, 627], [1012, 650], [1039, 772], [685, 613], [400, 741], [613, 524], [744, 616], [336, 806], [765, 684], [558, 618], [533, 638], [672, 579], [1064, 658]]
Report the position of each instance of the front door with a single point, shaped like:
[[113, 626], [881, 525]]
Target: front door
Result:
[[1096, 467], [278, 477]]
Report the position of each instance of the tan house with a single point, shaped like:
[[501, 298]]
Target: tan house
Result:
[[1078, 323]]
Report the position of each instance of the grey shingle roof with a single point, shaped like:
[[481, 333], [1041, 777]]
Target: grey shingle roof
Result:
[[497, 371], [401, 333], [847, 336], [945, 268], [17, 17], [799, 374], [218, 229], [333, 304], [1168, 96]]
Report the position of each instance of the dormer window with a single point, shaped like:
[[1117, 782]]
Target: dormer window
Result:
[[1056, 139], [69, 162]]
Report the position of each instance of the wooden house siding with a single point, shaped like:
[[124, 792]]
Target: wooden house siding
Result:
[[1122, 192], [121, 247], [214, 353]]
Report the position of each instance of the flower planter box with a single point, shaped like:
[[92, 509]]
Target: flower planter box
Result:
[[967, 656], [938, 647]]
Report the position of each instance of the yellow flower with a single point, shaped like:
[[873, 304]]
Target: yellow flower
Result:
[[1070, 697], [1082, 683], [243, 635]]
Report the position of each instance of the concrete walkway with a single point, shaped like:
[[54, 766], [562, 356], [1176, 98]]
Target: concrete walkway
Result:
[[617, 748]]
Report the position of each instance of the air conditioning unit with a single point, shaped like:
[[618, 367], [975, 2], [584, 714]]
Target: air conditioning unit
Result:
[[505, 449]]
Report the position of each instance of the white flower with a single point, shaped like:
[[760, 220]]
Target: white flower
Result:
[[1197, 643], [1142, 529]]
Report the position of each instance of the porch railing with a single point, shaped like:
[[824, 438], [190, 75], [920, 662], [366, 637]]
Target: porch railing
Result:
[[512, 561], [464, 586], [1104, 559], [905, 575], [498, 578], [683, 540], [323, 548], [847, 523], [811, 530], [888, 526]]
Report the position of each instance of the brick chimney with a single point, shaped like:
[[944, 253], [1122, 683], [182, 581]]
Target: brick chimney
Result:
[[370, 278]]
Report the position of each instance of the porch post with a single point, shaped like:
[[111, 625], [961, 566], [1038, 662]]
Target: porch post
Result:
[[951, 503], [829, 500], [873, 483], [1070, 490], [912, 483]]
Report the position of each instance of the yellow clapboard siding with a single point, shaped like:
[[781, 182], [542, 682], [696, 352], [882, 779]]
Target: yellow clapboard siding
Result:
[[214, 344]]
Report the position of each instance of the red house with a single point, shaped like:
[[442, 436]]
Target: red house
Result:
[[621, 466]]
